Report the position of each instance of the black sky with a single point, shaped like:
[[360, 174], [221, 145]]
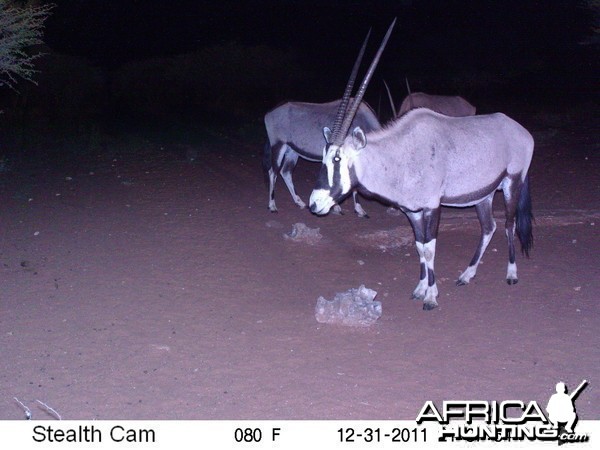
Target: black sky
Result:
[[112, 31], [498, 38]]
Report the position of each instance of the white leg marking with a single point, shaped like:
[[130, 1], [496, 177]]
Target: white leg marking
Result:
[[430, 300], [432, 291], [514, 227], [466, 276], [470, 271], [421, 289], [287, 178], [429, 250], [358, 209], [299, 202], [511, 273], [420, 248], [506, 189], [272, 179]]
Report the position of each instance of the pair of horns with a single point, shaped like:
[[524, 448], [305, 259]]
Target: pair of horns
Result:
[[346, 112]]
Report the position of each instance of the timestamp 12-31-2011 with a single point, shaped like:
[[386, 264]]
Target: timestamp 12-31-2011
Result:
[[401, 435]]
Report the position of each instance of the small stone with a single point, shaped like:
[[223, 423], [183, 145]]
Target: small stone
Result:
[[301, 233], [355, 307]]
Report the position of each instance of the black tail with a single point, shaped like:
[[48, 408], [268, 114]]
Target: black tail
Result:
[[524, 218], [267, 162]]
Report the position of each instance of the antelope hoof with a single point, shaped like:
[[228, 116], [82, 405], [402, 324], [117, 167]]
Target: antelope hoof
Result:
[[466, 276], [512, 281], [428, 306], [360, 212], [300, 204]]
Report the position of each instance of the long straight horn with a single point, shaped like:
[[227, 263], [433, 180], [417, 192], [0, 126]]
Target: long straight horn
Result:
[[361, 90], [410, 99], [341, 112], [389, 93]]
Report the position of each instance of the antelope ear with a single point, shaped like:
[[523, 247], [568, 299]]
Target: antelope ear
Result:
[[358, 138], [327, 133]]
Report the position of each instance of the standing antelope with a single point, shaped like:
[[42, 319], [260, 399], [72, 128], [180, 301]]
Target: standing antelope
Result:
[[450, 105], [425, 160], [294, 130]]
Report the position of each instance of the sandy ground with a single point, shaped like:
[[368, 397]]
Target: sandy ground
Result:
[[138, 285]]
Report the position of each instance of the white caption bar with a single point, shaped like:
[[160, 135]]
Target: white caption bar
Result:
[[281, 435]]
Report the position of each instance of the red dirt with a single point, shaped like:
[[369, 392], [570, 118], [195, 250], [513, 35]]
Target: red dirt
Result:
[[159, 289]]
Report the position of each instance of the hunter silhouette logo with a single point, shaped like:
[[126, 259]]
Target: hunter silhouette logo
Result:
[[561, 410]]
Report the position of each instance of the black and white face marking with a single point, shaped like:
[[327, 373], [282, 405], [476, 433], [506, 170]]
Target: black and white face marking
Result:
[[334, 181], [336, 178]]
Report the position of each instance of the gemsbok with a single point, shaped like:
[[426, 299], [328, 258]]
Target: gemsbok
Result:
[[450, 105], [424, 160], [294, 130]]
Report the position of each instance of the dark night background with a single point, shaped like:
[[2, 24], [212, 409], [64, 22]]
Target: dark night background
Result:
[[116, 66], [142, 275]]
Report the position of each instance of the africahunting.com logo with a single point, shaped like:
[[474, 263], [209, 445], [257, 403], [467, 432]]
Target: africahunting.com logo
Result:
[[510, 420]]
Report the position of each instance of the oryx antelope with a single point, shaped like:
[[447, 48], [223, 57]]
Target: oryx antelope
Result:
[[424, 160], [294, 130], [450, 105]]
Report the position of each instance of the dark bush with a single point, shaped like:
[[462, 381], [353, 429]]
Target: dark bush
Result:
[[69, 100], [223, 82]]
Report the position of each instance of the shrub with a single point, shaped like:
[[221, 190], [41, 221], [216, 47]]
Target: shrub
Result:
[[20, 29]]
